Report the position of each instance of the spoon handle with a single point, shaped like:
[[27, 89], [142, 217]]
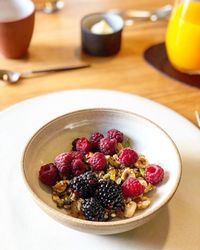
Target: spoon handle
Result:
[[145, 14], [30, 72]]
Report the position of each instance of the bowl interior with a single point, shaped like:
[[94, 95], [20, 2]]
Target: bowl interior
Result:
[[146, 137]]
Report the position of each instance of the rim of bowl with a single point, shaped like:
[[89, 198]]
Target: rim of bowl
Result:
[[99, 223], [85, 29]]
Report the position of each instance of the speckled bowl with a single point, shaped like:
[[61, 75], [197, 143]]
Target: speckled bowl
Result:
[[56, 137]]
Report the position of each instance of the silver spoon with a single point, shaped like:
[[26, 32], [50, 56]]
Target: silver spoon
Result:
[[14, 76], [146, 15], [51, 6]]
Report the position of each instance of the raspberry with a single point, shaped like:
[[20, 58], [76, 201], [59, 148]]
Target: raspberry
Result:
[[132, 188], [97, 161], [84, 185], [115, 134], [94, 140], [74, 144], [63, 161], [92, 210], [48, 174], [78, 167], [77, 155], [128, 156], [83, 145], [109, 194], [107, 146], [154, 174]]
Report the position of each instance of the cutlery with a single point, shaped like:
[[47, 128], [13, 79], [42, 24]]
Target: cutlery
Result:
[[14, 76], [50, 7], [146, 15], [197, 115]]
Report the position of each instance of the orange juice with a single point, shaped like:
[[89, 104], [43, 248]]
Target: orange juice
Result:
[[183, 37]]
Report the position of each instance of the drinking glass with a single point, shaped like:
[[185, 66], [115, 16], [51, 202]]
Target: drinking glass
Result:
[[183, 36]]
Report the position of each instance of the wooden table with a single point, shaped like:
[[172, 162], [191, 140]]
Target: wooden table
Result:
[[56, 42]]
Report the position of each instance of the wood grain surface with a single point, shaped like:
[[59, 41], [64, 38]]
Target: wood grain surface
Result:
[[56, 42]]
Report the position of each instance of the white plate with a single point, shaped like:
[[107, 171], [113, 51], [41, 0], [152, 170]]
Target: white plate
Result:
[[25, 226]]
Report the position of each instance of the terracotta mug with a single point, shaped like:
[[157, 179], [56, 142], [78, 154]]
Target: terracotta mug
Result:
[[16, 27]]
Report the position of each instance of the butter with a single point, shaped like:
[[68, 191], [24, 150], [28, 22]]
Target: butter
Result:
[[102, 28]]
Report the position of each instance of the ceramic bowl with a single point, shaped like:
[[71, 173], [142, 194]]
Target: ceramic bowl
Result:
[[101, 44], [56, 137]]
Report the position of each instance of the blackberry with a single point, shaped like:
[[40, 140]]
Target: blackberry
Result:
[[84, 185], [109, 194], [92, 210]]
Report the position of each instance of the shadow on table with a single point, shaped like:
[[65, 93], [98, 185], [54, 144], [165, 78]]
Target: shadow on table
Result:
[[157, 57], [51, 54]]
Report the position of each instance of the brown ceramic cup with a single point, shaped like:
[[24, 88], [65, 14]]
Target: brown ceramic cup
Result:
[[16, 27]]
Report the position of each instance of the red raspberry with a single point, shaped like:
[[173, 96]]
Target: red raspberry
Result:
[[154, 174], [63, 162], [132, 188], [77, 155], [115, 134], [95, 139], [74, 144], [78, 167], [107, 146], [128, 156], [48, 174], [83, 145], [97, 161]]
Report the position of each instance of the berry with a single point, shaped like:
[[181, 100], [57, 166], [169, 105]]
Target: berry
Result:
[[77, 155], [132, 188], [64, 160], [109, 194], [78, 167], [92, 210], [128, 157], [107, 146], [74, 144], [115, 134], [97, 161], [83, 145], [84, 185], [94, 140], [63, 163], [154, 174], [48, 174]]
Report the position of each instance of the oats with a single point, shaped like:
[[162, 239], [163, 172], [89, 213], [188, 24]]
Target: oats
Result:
[[141, 162], [143, 203], [119, 147], [60, 186], [113, 215], [128, 172], [149, 188], [118, 180], [112, 174], [130, 209]]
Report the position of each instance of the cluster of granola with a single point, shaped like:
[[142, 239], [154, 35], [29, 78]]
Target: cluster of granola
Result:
[[102, 178]]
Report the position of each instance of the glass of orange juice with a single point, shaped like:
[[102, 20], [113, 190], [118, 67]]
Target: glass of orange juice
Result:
[[183, 36]]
